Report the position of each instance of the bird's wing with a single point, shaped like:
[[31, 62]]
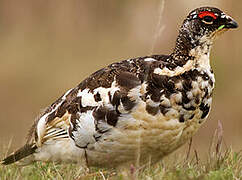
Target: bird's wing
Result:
[[97, 104], [94, 106]]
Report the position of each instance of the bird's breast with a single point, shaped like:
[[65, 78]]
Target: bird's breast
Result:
[[165, 117]]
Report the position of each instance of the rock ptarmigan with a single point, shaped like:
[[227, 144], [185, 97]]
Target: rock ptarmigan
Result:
[[136, 110]]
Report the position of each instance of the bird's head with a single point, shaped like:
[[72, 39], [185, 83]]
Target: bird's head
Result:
[[202, 26], [207, 21]]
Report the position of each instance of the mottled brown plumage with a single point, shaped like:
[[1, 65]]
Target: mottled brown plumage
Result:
[[137, 110]]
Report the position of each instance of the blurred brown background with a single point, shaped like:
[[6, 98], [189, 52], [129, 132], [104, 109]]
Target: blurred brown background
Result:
[[49, 46]]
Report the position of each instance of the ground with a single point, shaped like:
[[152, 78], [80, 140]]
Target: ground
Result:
[[220, 163]]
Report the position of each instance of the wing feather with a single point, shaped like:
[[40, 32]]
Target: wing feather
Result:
[[94, 107]]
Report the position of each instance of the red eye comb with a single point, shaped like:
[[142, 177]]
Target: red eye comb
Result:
[[207, 13]]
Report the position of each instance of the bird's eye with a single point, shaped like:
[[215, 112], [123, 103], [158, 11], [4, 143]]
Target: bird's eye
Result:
[[208, 19]]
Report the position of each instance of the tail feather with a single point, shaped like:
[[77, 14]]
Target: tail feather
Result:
[[21, 153]]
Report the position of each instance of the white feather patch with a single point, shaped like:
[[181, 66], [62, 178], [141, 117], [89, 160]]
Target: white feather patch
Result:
[[178, 70], [87, 98], [104, 93], [149, 59], [61, 151], [85, 129], [134, 94]]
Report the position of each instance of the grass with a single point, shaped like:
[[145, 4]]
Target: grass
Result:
[[227, 166], [220, 164]]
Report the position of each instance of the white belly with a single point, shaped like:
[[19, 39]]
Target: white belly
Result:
[[63, 150]]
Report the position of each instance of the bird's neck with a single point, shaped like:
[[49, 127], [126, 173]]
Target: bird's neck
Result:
[[191, 48]]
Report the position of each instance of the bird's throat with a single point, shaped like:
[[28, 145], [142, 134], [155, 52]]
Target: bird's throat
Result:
[[195, 51]]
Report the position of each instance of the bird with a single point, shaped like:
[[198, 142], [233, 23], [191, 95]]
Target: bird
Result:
[[133, 111]]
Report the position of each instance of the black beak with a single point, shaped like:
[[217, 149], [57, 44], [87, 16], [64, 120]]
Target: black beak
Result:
[[230, 23]]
